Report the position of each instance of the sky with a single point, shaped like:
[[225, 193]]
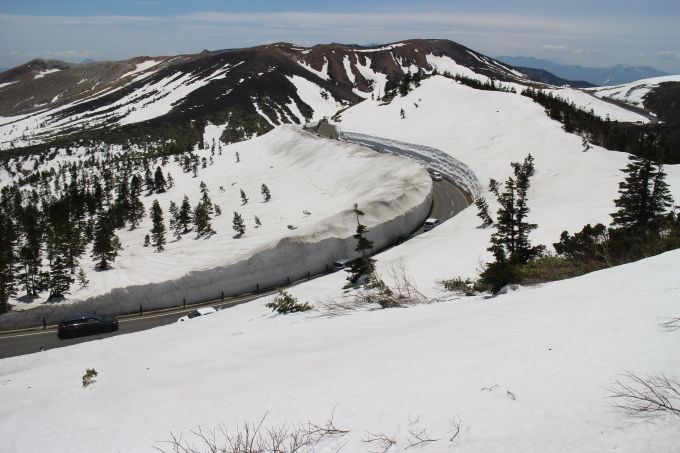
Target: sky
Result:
[[596, 33]]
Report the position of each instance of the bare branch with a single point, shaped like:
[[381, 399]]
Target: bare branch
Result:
[[383, 441], [645, 396], [419, 436], [489, 388], [512, 394], [455, 427], [671, 325]]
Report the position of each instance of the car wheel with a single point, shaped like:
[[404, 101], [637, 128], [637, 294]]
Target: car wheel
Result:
[[107, 329], [73, 333]]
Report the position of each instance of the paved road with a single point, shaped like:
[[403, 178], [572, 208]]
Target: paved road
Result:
[[631, 108], [29, 341], [447, 202]]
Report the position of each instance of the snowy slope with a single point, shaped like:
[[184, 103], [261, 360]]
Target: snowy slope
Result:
[[633, 92], [303, 173], [604, 109], [548, 355], [487, 131]]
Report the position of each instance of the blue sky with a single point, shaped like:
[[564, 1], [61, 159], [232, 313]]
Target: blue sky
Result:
[[590, 33]]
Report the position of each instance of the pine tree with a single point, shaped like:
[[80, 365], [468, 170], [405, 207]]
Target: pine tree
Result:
[[265, 193], [159, 180], [218, 210], [363, 265], [147, 240], [175, 225], [238, 157], [483, 208], [149, 181], [239, 226], [83, 282], [158, 226], [185, 217], [171, 182], [106, 244], [60, 281], [402, 114], [644, 194], [244, 199], [257, 221], [202, 221], [207, 203]]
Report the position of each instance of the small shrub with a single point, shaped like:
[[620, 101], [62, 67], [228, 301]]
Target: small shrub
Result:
[[87, 377], [285, 303], [467, 287]]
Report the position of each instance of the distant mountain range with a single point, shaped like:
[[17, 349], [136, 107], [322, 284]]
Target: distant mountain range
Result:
[[548, 77], [614, 75]]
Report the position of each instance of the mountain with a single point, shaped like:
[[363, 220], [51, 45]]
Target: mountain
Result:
[[544, 76], [172, 99], [87, 60], [614, 75]]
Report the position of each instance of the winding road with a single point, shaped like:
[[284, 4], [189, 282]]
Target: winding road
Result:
[[448, 201]]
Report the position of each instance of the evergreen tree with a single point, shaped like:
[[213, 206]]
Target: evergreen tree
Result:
[[171, 182], [60, 281], [149, 181], [510, 243], [83, 282], [158, 226], [244, 199], [644, 194], [202, 221], [106, 244], [175, 225], [159, 180], [185, 217], [239, 225], [265, 193], [238, 157], [363, 265], [483, 208], [147, 240], [136, 212], [218, 210], [205, 198], [402, 114], [257, 221]]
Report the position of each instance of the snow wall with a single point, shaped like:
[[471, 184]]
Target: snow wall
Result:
[[432, 158], [290, 259]]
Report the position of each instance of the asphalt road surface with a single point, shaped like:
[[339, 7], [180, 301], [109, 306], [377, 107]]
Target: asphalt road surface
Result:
[[447, 202], [14, 343]]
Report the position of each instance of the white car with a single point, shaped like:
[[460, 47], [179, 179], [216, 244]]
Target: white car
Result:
[[196, 313], [431, 223], [436, 176]]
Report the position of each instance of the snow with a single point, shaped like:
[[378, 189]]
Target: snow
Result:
[[634, 92], [390, 47], [45, 72], [549, 355], [142, 67], [324, 70], [302, 172], [528, 371], [310, 93], [442, 64], [601, 108]]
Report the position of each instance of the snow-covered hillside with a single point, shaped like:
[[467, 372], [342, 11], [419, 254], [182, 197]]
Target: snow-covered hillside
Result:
[[487, 130], [529, 371], [525, 372], [304, 173], [632, 93]]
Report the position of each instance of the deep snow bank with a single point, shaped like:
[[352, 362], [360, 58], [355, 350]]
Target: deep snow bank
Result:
[[322, 176], [430, 157]]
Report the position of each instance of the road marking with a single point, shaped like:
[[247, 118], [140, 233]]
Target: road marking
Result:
[[453, 205]]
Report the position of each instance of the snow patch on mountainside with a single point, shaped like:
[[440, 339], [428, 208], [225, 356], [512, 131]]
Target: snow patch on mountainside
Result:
[[310, 93], [634, 92], [599, 107]]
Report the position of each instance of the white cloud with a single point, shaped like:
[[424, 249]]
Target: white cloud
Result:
[[553, 48], [669, 55]]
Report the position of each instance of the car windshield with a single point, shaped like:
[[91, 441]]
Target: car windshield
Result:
[[193, 314], [98, 317]]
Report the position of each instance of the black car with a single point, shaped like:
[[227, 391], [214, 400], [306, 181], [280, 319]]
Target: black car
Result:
[[403, 238], [85, 324]]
